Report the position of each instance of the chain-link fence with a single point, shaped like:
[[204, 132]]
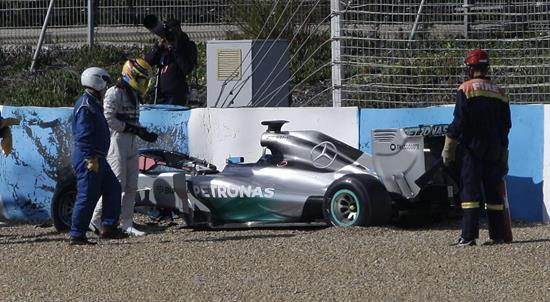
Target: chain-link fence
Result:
[[410, 52], [115, 21], [393, 53], [121, 20], [21, 21]]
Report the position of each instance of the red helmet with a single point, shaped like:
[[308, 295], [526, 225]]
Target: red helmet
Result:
[[477, 57]]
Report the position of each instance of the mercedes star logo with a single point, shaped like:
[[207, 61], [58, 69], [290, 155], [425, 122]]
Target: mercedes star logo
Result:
[[323, 154]]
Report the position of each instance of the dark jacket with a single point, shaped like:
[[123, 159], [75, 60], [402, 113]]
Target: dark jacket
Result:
[[174, 66], [90, 130], [481, 118]]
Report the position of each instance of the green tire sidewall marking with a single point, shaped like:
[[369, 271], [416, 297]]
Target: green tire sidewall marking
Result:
[[331, 207]]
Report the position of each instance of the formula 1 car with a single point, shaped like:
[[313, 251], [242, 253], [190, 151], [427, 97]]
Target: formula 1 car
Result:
[[304, 177], [301, 177]]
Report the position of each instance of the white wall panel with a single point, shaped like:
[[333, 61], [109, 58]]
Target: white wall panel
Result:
[[215, 134]]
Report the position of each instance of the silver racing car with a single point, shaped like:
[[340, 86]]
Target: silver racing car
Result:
[[304, 177]]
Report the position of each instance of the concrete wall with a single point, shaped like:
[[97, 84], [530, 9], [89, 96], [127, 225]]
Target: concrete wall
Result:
[[43, 143], [42, 150], [525, 179], [215, 134], [546, 163]]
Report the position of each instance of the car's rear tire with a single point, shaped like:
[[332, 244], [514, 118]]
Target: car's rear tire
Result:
[[357, 200], [62, 205]]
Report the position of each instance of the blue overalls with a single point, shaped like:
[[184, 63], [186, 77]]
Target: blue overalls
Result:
[[481, 123], [91, 140]]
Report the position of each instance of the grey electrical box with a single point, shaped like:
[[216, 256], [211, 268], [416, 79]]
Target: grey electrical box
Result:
[[247, 73]]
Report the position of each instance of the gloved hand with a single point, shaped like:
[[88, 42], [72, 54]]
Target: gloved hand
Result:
[[92, 164], [10, 121], [449, 150], [504, 160], [141, 132], [6, 144], [148, 136]]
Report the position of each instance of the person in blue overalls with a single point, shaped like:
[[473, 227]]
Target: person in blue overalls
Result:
[[94, 177], [481, 125]]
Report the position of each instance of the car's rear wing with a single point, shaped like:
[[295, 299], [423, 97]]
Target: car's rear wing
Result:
[[406, 159]]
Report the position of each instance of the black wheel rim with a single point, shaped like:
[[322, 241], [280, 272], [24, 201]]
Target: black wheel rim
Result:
[[65, 209]]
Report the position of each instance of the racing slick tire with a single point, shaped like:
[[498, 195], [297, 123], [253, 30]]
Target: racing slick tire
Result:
[[357, 200], [62, 205]]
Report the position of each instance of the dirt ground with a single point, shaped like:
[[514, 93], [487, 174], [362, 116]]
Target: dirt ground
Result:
[[171, 263]]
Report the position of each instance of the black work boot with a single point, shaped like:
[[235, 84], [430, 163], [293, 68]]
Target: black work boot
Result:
[[494, 242], [81, 241], [112, 232]]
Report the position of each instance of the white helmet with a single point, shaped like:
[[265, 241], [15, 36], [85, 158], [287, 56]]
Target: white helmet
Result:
[[95, 78]]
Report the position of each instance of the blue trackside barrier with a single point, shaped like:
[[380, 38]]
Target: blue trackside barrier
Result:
[[42, 150], [525, 179], [43, 142]]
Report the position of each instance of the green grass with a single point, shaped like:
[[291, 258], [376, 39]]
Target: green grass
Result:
[[56, 80]]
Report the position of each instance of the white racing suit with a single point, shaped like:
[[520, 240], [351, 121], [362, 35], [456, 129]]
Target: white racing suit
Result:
[[121, 106]]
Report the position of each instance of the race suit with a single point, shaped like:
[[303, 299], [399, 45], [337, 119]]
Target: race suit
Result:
[[91, 140], [481, 123], [121, 105]]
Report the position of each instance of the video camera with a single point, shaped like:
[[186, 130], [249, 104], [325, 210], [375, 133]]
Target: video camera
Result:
[[165, 29]]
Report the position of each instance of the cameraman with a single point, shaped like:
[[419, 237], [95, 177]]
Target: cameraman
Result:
[[176, 56]]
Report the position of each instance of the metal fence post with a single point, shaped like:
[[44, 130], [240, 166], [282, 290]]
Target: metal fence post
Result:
[[417, 19], [90, 23], [336, 44], [466, 7], [42, 34]]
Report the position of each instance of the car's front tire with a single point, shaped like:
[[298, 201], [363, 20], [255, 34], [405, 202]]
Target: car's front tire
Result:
[[357, 200], [62, 205]]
